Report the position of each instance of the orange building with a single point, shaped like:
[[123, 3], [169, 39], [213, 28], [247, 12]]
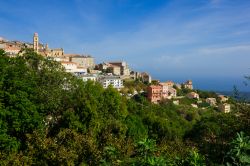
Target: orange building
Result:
[[155, 93]]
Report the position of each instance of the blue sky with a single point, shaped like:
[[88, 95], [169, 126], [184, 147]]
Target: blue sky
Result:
[[205, 40]]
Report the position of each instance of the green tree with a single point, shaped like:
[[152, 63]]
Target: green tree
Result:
[[239, 153]]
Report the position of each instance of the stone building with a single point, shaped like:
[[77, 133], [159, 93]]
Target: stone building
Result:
[[83, 61], [11, 48], [124, 70], [188, 84], [145, 77], [57, 52], [116, 68], [44, 50], [36, 42]]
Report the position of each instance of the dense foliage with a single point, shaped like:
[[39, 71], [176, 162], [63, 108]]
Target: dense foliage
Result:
[[50, 117]]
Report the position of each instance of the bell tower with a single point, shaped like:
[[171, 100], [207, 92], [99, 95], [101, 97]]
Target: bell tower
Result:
[[35, 42]]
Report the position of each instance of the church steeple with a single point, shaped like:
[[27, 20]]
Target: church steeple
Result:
[[35, 42], [47, 47]]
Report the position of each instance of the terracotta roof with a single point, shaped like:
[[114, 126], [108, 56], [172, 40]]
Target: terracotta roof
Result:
[[12, 48]]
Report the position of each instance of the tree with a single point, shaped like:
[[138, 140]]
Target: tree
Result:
[[195, 159], [239, 153]]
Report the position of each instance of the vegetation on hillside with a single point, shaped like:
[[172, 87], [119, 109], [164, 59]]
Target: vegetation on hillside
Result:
[[50, 117]]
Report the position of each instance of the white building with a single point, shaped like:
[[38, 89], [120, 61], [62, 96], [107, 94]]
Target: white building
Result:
[[59, 59], [193, 95], [168, 91], [88, 77], [211, 101], [71, 67], [223, 98], [176, 102], [115, 81], [172, 92], [224, 108]]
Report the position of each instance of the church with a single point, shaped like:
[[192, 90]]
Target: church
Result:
[[45, 50]]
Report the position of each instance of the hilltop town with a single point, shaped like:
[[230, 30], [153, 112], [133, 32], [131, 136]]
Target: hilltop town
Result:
[[118, 75], [58, 108], [124, 82]]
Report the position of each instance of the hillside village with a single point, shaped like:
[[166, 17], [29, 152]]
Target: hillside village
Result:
[[59, 108], [119, 75]]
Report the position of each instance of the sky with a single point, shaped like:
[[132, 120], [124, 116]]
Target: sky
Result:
[[207, 41]]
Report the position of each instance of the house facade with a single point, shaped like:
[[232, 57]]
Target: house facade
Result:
[[224, 108], [211, 101], [167, 90], [69, 66], [83, 61], [88, 77], [188, 84], [115, 81], [154, 93]]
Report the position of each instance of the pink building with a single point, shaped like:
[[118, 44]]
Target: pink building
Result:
[[155, 93], [158, 92]]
